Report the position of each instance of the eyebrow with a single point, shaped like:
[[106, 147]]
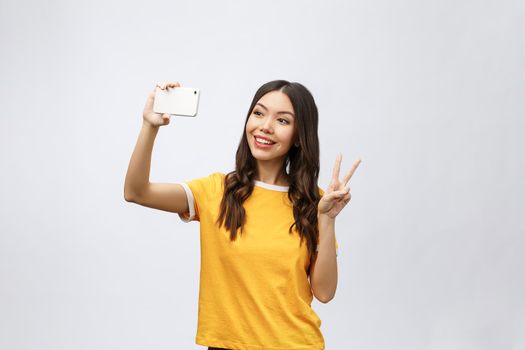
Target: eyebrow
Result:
[[281, 112]]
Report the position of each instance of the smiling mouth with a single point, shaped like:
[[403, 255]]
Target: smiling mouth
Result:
[[263, 143]]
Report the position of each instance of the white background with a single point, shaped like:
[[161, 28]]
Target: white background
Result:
[[428, 93]]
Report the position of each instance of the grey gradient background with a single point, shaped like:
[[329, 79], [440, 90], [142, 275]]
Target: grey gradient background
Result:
[[429, 93]]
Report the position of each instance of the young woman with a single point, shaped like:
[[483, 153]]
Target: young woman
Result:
[[267, 234]]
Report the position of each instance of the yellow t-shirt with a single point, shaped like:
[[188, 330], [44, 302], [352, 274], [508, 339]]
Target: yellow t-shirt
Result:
[[254, 292]]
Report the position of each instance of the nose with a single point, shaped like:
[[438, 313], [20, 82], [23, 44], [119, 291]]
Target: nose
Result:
[[266, 125]]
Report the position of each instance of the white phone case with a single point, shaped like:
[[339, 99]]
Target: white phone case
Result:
[[182, 101]]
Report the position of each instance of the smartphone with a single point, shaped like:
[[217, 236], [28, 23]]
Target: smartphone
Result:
[[182, 101]]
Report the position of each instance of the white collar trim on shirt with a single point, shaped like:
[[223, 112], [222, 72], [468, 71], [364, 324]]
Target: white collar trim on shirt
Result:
[[271, 187]]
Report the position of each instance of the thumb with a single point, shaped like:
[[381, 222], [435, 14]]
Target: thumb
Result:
[[166, 118]]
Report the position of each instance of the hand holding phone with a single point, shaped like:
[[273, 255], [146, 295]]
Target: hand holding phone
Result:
[[149, 116]]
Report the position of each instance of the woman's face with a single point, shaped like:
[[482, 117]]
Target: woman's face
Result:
[[271, 118]]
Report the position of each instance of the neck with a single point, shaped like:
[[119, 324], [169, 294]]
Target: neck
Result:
[[272, 172]]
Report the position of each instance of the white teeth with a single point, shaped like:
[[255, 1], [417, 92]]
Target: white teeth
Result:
[[264, 141]]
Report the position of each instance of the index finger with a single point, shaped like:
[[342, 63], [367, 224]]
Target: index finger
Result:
[[164, 85], [173, 84]]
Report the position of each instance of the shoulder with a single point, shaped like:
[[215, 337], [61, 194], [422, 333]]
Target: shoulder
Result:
[[218, 175], [217, 178], [211, 177], [207, 184]]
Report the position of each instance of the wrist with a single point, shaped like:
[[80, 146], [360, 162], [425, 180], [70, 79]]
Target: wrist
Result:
[[148, 125], [324, 217]]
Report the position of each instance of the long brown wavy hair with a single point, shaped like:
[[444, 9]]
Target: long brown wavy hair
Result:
[[301, 165]]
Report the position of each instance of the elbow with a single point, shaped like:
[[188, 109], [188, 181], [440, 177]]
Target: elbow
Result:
[[325, 298], [324, 294], [133, 194], [128, 197]]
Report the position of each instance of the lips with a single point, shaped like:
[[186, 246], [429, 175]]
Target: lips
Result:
[[262, 145], [264, 138]]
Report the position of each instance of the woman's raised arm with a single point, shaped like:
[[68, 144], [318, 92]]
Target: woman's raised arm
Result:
[[137, 188]]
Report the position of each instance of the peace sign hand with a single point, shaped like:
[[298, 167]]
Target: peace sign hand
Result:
[[337, 195]]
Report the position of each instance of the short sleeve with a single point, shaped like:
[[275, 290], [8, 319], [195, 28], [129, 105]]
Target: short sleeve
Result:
[[321, 192], [198, 191]]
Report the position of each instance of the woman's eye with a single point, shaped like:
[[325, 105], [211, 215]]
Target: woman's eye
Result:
[[285, 120], [257, 113]]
